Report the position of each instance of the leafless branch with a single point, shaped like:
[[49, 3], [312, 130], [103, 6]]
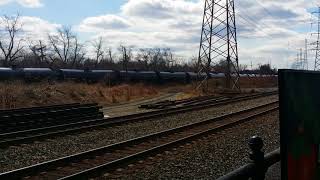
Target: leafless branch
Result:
[[10, 44]]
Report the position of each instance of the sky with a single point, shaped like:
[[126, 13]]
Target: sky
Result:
[[269, 31]]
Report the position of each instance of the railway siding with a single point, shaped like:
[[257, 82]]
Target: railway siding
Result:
[[210, 157], [104, 158], [17, 157], [29, 135]]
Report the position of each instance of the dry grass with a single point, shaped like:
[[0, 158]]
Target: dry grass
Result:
[[19, 94], [16, 94], [217, 85], [261, 82]]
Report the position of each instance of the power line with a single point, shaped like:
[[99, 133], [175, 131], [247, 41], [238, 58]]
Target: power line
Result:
[[267, 12], [257, 27], [255, 21], [317, 44]]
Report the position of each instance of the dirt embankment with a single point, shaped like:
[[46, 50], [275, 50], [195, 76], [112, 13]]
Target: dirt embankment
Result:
[[19, 94], [248, 82], [258, 82]]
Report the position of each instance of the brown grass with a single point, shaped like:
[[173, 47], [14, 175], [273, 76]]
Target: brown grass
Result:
[[217, 86], [16, 94], [19, 94], [258, 82]]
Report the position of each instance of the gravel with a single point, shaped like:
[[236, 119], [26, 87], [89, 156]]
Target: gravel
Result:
[[20, 156], [133, 106], [216, 155]]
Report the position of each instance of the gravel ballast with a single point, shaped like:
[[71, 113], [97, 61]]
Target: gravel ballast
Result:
[[20, 156], [215, 156]]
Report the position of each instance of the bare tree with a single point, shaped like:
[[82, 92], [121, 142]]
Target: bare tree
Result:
[[107, 61], [159, 60], [243, 67], [10, 43], [98, 46], [126, 55], [39, 50], [110, 55], [78, 52], [103, 56], [66, 47], [61, 43], [143, 57], [168, 57], [193, 64]]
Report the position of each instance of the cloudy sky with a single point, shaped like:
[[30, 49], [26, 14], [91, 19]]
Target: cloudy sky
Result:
[[269, 31]]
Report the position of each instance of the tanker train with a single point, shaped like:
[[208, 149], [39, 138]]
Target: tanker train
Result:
[[109, 76]]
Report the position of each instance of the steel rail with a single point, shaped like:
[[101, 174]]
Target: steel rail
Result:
[[166, 104], [44, 108], [28, 136], [48, 112], [188, 136], [40, 107], [27, 121]]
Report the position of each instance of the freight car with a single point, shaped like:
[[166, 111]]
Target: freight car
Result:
[[148, 76], [192, 76], [181, 77], [8, 74], [128, 76], [37, 74], [72, 74], [107, 76], [217, 75]]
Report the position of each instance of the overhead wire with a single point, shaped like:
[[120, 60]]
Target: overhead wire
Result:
[[268, 13], [260, 26], [256, 26]]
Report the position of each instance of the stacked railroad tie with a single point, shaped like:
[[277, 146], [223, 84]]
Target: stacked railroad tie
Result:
[[24, 119], [183, 102]]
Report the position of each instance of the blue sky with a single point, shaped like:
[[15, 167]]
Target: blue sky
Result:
[[268, 30], [68, 12]]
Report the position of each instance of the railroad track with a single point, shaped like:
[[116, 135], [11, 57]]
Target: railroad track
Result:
[[29, 136], [95, 162], [184, 102], [22, 120]]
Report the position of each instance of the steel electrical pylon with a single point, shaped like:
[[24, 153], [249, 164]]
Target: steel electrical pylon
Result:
[[219, 43], [317, 44]]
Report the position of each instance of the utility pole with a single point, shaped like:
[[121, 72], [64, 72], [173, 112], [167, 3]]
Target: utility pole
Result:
[[306, 61], [301, 60], [219, 43], [297, 64], [316, 44]]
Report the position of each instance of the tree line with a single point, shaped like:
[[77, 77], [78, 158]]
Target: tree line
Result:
[[63, 49]]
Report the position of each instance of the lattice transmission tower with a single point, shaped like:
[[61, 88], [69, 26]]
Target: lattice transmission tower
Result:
[[219, 43], [300, 61], [317, 43]]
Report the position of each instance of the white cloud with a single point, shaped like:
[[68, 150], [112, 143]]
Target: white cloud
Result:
[[105, 22], [3, 2], [32, 29], [24, 3], [30, 3], [37, 28], [265, 28], [160, 9], [156, 23]]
